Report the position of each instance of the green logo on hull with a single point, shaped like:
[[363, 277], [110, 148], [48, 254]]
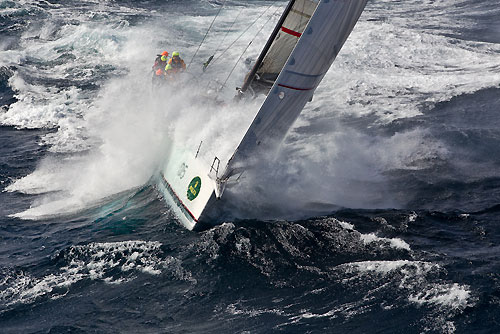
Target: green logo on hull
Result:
[[194, 188]]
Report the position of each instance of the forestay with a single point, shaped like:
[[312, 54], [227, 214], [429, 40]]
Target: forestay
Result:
[[317, 47]]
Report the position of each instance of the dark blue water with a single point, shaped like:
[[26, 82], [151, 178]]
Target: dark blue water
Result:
[[405, 139]]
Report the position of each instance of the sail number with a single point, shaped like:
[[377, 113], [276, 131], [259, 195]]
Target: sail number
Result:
[[194, 188]]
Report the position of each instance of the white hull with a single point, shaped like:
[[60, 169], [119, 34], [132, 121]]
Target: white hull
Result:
[[185, 184]]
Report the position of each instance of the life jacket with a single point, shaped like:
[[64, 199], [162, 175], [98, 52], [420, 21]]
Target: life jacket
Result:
[[177, 65]]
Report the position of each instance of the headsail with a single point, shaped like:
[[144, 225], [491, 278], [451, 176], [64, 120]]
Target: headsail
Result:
[[317, 48], [280, 44]]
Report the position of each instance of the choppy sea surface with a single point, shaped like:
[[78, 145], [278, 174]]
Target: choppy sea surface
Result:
[[379, 214]]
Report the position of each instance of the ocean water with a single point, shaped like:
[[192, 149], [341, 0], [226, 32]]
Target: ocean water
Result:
[[379, 214]]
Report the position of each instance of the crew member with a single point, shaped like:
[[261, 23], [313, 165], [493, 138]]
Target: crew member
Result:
[[160, 62], [175, 64]]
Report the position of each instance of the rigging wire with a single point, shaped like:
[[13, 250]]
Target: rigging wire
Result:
[[228, 30], [206, 34], [244, 51], [209, 60], [255, 21]]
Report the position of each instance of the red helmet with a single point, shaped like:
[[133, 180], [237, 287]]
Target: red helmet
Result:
[[164, 53], [159, 72]]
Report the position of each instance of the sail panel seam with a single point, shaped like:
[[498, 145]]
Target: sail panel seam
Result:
[[294, 88], [298, 12], [304, 75]]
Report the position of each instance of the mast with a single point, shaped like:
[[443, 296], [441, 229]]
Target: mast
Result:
[[270, 41]]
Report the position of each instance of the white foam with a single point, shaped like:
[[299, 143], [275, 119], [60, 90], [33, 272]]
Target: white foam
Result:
[[346, 225], [95, 261], [417, 282], [394, 242], [450, 295], [309, 315], [392, 70], [384, 267], [412, 217], [369, 238], [235, 309], [393, 281]]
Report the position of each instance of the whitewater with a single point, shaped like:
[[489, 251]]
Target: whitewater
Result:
[[378, 213]]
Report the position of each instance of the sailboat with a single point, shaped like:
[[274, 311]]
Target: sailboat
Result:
[[298, 54]]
